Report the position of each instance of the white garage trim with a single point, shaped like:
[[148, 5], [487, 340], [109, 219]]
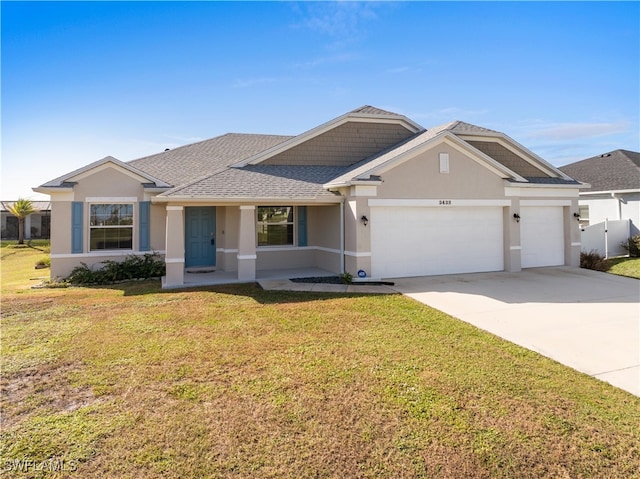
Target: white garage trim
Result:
[[426, 240], [545, 202], [438, 202]]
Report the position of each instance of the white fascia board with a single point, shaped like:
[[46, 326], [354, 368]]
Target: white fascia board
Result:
[[341, 184], [53, 190], [605, 192], [520, 150], [325, 127]]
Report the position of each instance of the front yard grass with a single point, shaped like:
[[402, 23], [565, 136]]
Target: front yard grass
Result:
[[624, 267], [131, 382]]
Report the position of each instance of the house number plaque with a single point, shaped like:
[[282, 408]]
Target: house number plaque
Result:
[[444, 202]]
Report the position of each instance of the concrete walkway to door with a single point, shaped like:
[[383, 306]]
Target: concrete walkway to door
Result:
[[584, 319]]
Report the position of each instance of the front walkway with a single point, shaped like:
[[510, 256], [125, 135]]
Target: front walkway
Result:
[[584, 319], [216, 278]]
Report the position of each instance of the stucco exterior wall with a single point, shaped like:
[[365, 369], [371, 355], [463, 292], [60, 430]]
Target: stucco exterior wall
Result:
[[106, 185], [108, 182], [323, 226], [420, 177], [624, 206]]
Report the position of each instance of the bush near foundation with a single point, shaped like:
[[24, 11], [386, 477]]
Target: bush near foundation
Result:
[[632, 245], [132, 267], [592, 260]]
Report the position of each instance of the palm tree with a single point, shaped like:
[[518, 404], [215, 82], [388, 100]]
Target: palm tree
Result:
[[21, 208]]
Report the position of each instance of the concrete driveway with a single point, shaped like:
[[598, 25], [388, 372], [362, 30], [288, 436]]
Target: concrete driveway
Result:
[[587, 320]]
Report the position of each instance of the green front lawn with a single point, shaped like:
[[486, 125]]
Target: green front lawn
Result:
[[624, 267], [132, 382]]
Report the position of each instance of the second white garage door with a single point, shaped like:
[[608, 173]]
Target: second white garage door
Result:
[[423, 241], [542, 236]]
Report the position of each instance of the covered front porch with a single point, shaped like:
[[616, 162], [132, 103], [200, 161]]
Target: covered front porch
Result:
[[222, 244]]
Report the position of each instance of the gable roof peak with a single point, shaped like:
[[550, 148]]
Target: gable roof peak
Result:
[[462, 127], [372, 110]]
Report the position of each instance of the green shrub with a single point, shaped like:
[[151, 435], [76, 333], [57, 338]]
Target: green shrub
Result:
[[346, 278], [44, 262], [132, 267], [632, 245], [592, 260]]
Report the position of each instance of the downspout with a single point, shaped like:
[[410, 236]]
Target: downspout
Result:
[[613, 195], [342, 237]]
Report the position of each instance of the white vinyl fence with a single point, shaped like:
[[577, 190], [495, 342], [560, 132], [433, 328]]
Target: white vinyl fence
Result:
[[606, 237]]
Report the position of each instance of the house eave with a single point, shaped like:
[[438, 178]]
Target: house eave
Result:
[[608, 192], [518, 184], [48, 190], [239, 200]]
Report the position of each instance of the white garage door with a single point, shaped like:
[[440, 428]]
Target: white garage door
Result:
[[542, 236], [423, 241]]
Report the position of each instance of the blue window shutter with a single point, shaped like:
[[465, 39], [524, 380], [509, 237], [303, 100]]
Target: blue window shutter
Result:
[[76, 227], [302, 226], [144, 225]]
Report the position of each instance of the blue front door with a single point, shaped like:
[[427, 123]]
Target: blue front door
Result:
[[200, 236]]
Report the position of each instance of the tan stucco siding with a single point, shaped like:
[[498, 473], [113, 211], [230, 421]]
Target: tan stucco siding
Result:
[[420, 177], [108, 182], [323, 226], [343, 145], [62, 267], [60, 227], [158, 227], [274, 258]]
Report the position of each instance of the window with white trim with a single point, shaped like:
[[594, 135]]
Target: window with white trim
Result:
[[275, 225], [111, 226]]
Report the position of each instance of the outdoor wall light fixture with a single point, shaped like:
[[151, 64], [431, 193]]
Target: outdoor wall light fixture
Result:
[[576, 216], [516, 217], [365, 220]]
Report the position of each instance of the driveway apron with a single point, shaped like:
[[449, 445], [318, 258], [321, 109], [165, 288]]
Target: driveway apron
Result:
[[587, 320]]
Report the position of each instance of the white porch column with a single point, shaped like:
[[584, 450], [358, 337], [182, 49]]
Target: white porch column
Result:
[[174, 257], [247, 244]]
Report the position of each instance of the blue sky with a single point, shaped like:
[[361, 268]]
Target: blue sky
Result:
[[81, 81]]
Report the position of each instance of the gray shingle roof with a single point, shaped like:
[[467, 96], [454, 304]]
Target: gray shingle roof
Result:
[[616, 170], [263, 182], [188, 163], [462, 128], [546, 180], [362, 167], [372, 110]]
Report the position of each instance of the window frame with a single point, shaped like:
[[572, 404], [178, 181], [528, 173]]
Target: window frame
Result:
[[259, 223], [91, 227]]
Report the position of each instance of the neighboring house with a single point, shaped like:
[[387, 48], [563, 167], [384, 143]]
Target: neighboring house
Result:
[[610, 207], [369, 191], [36, 225]]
